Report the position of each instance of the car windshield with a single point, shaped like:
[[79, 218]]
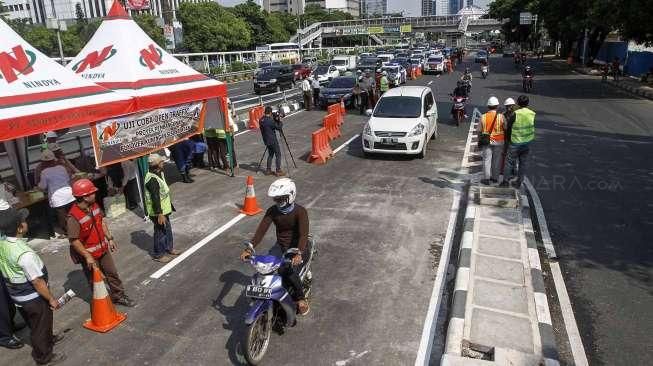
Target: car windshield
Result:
[[368, 61], [320, 70], [415, 60], [339, 62], [435, 59], [482, 53], [398, 107], [267, 73], [341, 83], [391, 69]]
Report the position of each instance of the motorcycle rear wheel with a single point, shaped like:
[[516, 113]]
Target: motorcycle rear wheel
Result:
[[257, 338]]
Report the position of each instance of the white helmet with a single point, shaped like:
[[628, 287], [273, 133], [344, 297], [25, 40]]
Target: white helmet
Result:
[[385, 73], [283, 187], [492, 102], [508, 102]]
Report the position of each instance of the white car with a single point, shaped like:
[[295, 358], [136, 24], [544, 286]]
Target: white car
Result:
[[404, 120], [396, 74], [434, 64], [324, 73]]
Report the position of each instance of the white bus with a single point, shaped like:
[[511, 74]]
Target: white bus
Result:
[[278, 52], [278, 47]]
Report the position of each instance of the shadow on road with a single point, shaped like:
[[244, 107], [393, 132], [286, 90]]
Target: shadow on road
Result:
[[234, 314]]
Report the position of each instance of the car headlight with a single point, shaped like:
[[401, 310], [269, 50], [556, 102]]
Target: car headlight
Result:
[[417, 130], [273, 80], [367, 130]]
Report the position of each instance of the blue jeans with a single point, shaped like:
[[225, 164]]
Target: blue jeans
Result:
[[516, 161], [162, 237]]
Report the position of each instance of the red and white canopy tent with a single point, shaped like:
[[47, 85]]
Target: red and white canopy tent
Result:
[[38, 95], [122, 57]]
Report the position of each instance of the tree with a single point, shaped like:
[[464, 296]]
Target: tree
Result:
[[288, 20], [264, 27], [208, 27], [147, 23]]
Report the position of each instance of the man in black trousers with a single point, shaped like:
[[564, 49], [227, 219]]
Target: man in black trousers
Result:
[[268, 127], [7, 313]]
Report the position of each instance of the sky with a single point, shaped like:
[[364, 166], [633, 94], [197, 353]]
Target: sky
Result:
[[411, 8]]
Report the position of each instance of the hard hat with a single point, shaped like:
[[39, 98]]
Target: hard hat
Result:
[[385, 73], [47, 155], [83, 187], [283, 187], [492, 102], [509, 101]]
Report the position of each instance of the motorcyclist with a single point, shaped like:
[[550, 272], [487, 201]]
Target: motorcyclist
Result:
[[467, 79], [460, 90], [291, 223]]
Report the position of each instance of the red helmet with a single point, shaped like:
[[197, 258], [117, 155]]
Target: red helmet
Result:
[[83, 187]]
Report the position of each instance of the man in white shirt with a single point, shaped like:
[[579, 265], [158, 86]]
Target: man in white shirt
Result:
[[55, 180], [316, 91], [307, 93]]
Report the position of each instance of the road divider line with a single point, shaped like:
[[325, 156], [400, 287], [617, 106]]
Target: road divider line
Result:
[[573, 335], [430, 82], [240, 133], [346, 143], [188, 252]]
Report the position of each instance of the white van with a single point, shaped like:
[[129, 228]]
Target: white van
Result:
[[344, 63]]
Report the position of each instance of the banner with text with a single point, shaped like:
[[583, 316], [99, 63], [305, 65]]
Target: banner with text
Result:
[[131, 136]]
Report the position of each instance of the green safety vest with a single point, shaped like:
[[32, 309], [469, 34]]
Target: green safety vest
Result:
[[384, 84], [221, 134], [523, 130], [20, 288], [164, 195]]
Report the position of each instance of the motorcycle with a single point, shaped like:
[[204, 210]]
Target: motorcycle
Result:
[[458, 109], [527, 83], [484, 71], [272, 306]]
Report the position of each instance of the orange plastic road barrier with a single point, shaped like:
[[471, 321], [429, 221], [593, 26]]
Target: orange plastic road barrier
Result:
[[330, 123], [321, 150], [103, 315], [335, 109], [255, 115], [250, 206]]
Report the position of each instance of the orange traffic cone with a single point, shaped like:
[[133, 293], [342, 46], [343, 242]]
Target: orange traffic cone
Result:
[[250, 206], [103, 315]]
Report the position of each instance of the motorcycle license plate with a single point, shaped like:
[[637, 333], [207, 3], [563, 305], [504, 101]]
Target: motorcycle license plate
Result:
[[258, 292], [389, 141]]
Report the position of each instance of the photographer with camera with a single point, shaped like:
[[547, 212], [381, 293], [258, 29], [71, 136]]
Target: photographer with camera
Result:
[[268, 125]]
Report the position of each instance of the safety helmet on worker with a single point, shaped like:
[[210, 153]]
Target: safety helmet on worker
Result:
[[493, 102], [83, 187], [385, 73], [281, 188], [509, 102]]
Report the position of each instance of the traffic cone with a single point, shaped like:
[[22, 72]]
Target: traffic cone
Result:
[[104, 316], [250, 206]]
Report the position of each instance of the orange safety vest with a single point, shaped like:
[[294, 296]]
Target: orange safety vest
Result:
[[91, 233], [497, 134]]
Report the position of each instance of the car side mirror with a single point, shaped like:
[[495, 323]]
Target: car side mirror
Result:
[[369, 112]]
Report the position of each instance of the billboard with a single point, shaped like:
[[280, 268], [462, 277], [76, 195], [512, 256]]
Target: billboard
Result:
[[137, 4]]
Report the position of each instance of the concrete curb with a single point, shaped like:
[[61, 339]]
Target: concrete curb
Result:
[[456, 326], [545, 325]]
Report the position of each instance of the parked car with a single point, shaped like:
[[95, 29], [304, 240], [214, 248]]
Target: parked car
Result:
[[434, 64], [418, 61], [263, 64], [273, 79], [396, 74], [301, 71], [370, 63], [324, 73], [340, 87], [403, 122], [481, 56], [309, 60], [344, 63]]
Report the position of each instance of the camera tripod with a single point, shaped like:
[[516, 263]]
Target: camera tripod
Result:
[[285, 157]]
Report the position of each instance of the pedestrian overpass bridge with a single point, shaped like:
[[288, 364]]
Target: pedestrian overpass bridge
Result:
[[455, 25]]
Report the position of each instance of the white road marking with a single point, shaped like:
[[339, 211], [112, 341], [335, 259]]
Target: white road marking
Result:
[[575, 341], [346, 143], [188, 252], [430, 82], [353, 356], [240, 133], [428, 332]]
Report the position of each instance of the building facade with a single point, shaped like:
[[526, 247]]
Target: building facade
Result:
[[373, 8], [285, 6]]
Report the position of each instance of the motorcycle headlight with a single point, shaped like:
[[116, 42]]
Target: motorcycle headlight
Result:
[[417, 130], [367, 130], [273, 80]]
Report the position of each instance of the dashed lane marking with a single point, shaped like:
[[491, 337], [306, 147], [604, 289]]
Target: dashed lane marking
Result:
[[346, 143]]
